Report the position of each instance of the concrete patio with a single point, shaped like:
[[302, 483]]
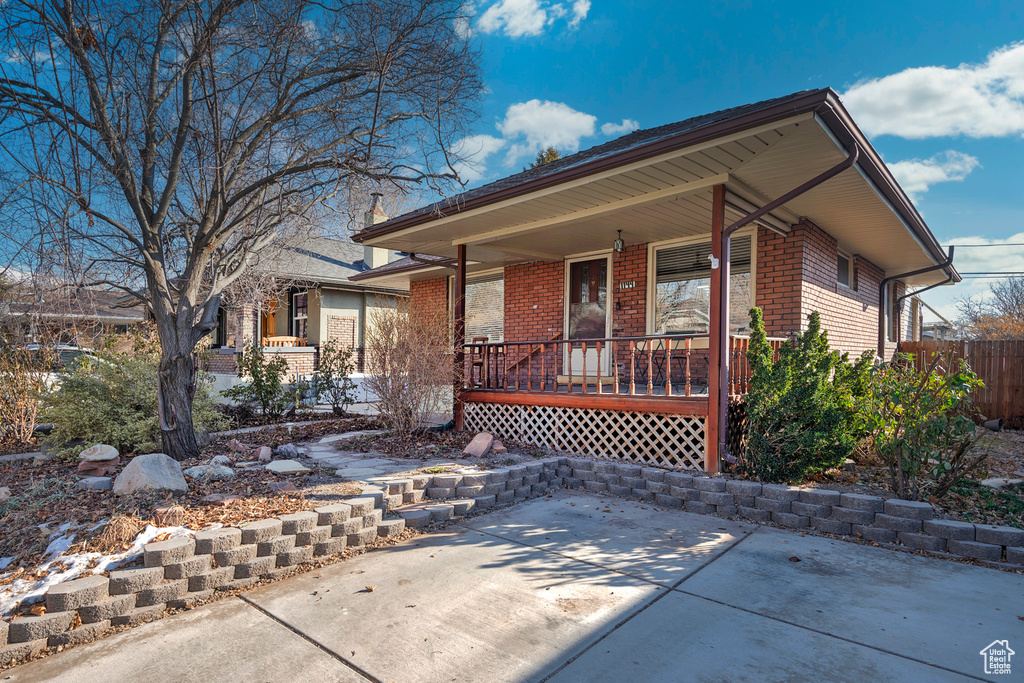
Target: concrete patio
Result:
[[576, 587]]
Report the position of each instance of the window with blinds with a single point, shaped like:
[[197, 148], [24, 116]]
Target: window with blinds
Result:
[[485, 307], [682, 299]]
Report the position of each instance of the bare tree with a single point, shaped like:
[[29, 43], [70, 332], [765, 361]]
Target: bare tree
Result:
[[158, 145], [999, 314]]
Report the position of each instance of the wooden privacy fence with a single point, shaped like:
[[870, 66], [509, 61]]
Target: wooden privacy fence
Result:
[[1000, 364]]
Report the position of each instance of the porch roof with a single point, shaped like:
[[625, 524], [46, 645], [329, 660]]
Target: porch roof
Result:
[[656, 185]]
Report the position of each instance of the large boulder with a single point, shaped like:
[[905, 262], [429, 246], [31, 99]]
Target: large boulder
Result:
[[288, 450], [152, 472], [209, 472]]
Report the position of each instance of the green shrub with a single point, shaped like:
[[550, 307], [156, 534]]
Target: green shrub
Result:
[[920, 424], [801, 408], [265, 388], [113, 400], [332, 382]]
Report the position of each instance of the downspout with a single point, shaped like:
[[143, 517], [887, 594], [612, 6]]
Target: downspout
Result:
[[723, 324], [881, 296]]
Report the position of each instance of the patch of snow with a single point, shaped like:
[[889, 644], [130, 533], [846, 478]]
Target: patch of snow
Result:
[[6, 561]]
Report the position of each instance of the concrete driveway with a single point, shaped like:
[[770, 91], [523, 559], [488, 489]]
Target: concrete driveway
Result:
[[577, 587]]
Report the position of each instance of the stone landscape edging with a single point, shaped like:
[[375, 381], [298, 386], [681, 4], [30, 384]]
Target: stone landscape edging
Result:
[[186, 571]]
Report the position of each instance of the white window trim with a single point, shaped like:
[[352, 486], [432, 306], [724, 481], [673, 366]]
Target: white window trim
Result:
[[610, 301], [295, 312], [652, 266], [849, 259]]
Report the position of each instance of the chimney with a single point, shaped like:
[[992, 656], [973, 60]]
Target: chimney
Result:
[[374, 256]]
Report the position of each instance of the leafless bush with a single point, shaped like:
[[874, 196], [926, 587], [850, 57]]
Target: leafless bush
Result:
[[23, 381], [409, 365]]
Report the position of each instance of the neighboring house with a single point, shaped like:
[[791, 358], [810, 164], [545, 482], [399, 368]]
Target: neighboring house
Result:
[[79, 316], [921, 329], [319, 303], [622, 334]]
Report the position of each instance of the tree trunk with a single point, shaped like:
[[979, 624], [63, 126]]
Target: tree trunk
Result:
[[176, 391]]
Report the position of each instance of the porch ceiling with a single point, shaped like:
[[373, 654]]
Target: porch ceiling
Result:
[[669, 196]]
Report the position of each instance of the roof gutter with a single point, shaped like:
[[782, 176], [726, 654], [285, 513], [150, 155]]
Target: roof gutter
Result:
[[883, 288]]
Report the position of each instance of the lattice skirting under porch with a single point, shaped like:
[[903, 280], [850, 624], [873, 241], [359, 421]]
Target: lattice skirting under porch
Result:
[[675, 441]]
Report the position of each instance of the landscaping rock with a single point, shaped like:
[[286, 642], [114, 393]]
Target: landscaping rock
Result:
[[99, 453], [287, 467], [220, 499], [5, 493], [209, 472], [236, 446], [264, 454], [203, 438], [169, 515], [1000, 482], [282, 486], [94, 484], [151, 472], [498, 448], [288, 450], [479, 446], [98, 468], [220, 460]]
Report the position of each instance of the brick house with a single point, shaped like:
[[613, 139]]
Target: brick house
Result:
[[319, 303], [627, 270]]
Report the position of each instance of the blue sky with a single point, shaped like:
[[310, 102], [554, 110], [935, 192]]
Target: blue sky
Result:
[[937, 86]]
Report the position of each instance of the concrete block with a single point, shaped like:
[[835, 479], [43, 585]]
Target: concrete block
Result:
[[126, 581], [531, 479], [653, 474], [85, 633], [595, 487], [979, 551], [217, 540], [712, 498], [643, 495], [753, 514], [830, 526], [871, 533], [228, 558], [506, 497], [469, 491], [191, 600], [373, 519], [462, 506], [911, 509], [862, 517], [668, 501], [330, 546], [780, 492], [897, 523], [493, 489], [608, 478], [949, 529], [726, 510], [16, 652], [772, 505], [281, 544], [498, 476], [255, 568], [70, 595], [699, 508], [298, 521], [362, 537], [421, 481], [140, 615], [260, 531], [684, 493], [28, 628], [999, 535], [114, 606], [712, 485], [190, 567], [317, 534], [394, 502], [584, 475], [242, 584], [534, 467], [791, 520], [1015, 556], [361, 506], [810, 509], [633, 482], [513, 483], [523, 491], [743, 488], [745, 501], [679, 479], [604, 467], [860, 501], [329, 515], [374, 494], [399, 486], [820, 497], [485, 502], [414, 496], [215, 578], [625, 469], [447, 481], [440, 493], [171, 551], [156, 595], [295, 556], [3, 634], [416, 519], [922, 541], [580, 463], [620, 491], [571, 483], [440, 513], [390, 527], [657, 486], [347, 527]]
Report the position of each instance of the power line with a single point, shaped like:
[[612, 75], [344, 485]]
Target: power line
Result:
[[978, 246], [994, 272]]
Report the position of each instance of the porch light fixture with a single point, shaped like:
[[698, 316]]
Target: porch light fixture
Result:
[[618, 245]]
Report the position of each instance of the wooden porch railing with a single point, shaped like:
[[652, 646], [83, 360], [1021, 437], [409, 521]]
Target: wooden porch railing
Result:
[[739, 364]]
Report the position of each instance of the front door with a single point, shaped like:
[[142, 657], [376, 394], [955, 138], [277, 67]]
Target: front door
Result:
[[587, 316]]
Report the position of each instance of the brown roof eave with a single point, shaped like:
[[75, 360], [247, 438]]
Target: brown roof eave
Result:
[[804, 104]]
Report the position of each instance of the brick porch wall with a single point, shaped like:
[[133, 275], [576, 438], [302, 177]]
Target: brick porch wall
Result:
[[428, 296]]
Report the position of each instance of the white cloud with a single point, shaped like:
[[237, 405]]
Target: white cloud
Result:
[[976, 100], [580, 8], [462, 21], [917, 175], [995, 259], [473, 152], [627, 126], [536, 125], [519, 18]]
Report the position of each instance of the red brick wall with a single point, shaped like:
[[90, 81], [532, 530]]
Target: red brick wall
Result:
[[629, 306], [534, 295], [222, 363], [796, 275], [428, 296]]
